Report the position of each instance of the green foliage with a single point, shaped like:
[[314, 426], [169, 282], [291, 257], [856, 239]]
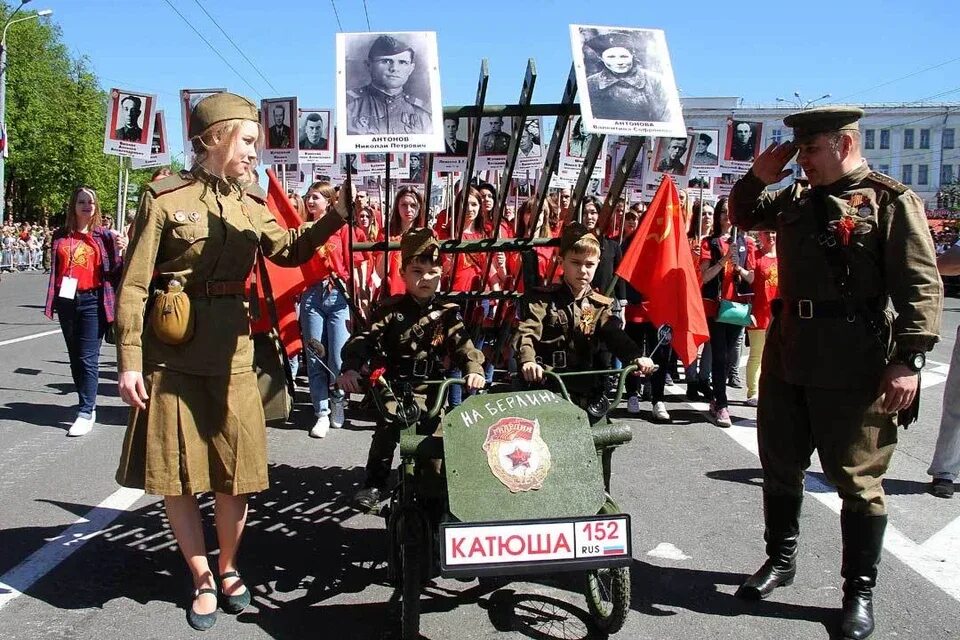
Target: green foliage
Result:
[[55, 117], [949, 196]]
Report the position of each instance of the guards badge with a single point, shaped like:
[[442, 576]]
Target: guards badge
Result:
[[517, 454]]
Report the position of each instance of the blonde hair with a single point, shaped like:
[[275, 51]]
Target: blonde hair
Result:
[[97, 219], [223, 135], [325, 189], [587, 245]]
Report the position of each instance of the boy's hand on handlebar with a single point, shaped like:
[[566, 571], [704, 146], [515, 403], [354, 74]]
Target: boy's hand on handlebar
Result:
[[645, 366], [349, 381], [532, 372], [475, 381]]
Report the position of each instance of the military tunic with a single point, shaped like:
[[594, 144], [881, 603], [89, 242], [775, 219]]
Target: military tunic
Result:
[[203, 428], [823, 360], [371, 111], [495, 143], [563, 334], [409, 339]]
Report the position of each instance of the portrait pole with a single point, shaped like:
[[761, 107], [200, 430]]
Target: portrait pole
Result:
[[122, 208], [119, 182]]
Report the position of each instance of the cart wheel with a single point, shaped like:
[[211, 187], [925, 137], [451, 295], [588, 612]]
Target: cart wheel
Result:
[[608, 597], [410, 562]]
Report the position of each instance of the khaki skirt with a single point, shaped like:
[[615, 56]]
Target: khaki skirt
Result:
[[197, 434]]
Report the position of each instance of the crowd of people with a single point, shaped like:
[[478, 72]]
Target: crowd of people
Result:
[[24, 247]]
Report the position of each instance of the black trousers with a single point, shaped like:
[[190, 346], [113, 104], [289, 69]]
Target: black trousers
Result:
[[645, 335], [723, 340]]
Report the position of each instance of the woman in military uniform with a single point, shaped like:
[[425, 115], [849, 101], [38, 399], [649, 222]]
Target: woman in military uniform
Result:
[[197, 421]]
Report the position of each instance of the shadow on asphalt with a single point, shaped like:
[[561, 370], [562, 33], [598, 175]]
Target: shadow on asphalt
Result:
[[57, 416], [752, 476]]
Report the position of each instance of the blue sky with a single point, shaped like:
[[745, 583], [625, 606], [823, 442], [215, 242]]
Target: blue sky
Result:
[[756, 50]]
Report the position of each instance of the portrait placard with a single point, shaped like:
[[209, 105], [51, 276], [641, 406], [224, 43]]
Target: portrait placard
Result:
[[572, 152], [706, 147], [531, 151], [129, 127], [723, 185], [388, 92], [742, 143], [188, 100], [315, 139], [495, 133], [673, 155], [417, 168], [278, 119], [455, 145], [625, 81], [159, 147]]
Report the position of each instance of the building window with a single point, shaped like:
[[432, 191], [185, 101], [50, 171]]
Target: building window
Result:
[[924, 138], [885, 169], [884, 138], [868, 139], [946, 174], [922, 171], [908, 174], [776, 136], [948, 138], [908, 138]]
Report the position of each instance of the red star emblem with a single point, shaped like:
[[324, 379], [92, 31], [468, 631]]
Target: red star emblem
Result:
[[519, 458]]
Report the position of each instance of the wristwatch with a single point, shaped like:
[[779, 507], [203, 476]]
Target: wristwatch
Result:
[[914, 361]]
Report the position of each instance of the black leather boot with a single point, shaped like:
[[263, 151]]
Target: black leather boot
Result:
[[781, 516], [862, 546]]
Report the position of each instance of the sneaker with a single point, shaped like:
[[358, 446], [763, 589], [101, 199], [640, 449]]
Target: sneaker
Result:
[[336, 414], [752, 401], [319, 430], [367, 498], [942, 488], [721, 417], [633, 404], [82, 425], [734, 382], [660, 413]]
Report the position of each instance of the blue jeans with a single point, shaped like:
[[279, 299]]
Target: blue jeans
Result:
[[83, 323], [323, 317]]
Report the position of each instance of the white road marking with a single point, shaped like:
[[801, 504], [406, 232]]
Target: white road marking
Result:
[[30, 337], [936, 559], [45, 559]]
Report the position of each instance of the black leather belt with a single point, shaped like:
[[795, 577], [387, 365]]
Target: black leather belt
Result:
[[218, 288], [807, 309]]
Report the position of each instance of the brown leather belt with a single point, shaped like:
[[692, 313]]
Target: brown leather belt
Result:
[[218, 288]]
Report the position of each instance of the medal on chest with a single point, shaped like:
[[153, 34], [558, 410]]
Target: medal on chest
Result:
[[588, 319]]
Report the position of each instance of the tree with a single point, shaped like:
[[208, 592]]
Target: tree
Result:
[[55, 118], [949, 196]]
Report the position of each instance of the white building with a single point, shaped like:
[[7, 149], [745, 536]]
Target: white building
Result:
[[917, 145]]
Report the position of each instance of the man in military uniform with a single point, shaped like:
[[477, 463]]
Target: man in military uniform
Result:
[[744, 144], [279, 133], [130, 108], [672, 162], [838, 367], [408, 335], [495, 142], [701, 155], [623, 89], [382, 107], [313, 130]]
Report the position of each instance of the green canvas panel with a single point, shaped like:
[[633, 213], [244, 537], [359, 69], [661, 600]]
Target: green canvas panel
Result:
[[573, 485]]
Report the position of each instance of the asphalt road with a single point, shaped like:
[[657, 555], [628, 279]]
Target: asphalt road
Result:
[[94, 561]]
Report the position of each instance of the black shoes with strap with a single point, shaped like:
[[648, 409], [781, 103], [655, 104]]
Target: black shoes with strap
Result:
[[236, 603], [201, 621]]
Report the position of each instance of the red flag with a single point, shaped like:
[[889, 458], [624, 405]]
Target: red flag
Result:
[[287, 283], [658, 264]]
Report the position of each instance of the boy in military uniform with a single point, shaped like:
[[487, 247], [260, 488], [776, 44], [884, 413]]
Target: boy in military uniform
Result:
[[563, 326], [837, 366], [408, 335]]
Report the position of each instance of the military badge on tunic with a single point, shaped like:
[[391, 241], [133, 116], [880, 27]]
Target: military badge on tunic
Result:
[[588, 320], [180, 216], [517, 454], [194, 216], [861, 205]]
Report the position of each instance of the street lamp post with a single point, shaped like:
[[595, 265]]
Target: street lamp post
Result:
[[3, 94], [800, 103]]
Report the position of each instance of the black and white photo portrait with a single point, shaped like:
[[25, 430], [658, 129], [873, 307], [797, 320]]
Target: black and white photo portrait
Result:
[[455, 136], [315, 140], [159, 145], [388, 91], [577, 139], [626, 81], [494, 136], [130, 122], [278, 117], [706, 147], [418, 168], [530, 155], [673, 155], [743, 140]]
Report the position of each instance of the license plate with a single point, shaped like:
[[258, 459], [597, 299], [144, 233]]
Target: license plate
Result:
[[508, 547]]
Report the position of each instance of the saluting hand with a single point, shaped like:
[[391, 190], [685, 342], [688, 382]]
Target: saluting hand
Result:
[[349, 382], [132, 390], [769, 165], [898, 387]]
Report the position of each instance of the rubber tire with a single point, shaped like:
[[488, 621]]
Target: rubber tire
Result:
[[609, 615], [410, 562]]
